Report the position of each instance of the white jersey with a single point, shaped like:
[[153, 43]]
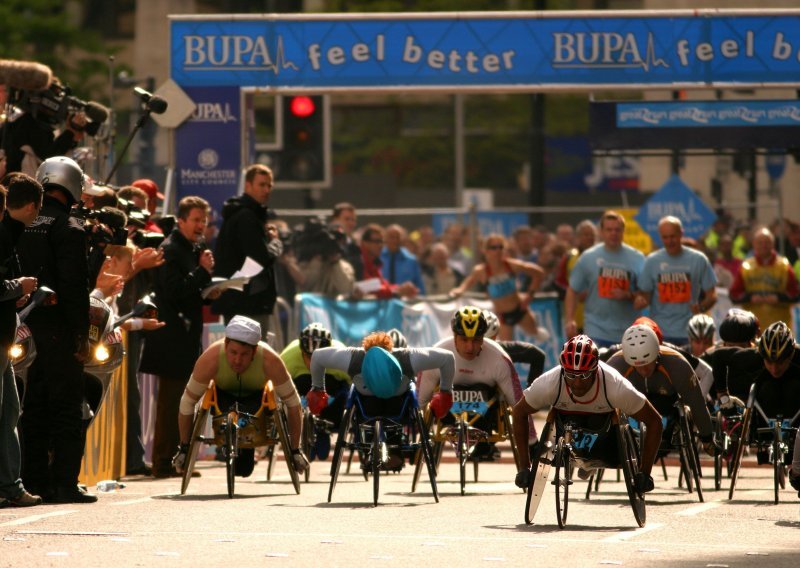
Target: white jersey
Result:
[[610, 390], [491, 367]]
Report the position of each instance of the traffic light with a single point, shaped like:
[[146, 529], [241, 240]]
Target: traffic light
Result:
[[304, 160]]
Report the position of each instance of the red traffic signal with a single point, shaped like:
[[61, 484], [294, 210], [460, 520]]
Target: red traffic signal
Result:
[[302, 107]]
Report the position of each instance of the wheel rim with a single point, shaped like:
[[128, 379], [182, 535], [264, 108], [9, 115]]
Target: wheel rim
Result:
[[463, 453], [562, 482], [338, 452], [230, 458], [376, 460]]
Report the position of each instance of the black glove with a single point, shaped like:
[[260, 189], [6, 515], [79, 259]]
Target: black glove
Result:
[[299, 460], [794, 481], [711, 445], [643, 483], [179, 459], [523, 479]]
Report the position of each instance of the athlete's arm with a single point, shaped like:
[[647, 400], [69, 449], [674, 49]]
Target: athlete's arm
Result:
[[468, 281], [435, 358], [328, 358], [275, 370], [519, 414], [205, 369], [523, 352], [652, 439]]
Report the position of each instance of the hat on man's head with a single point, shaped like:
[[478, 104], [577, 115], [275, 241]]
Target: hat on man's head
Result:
[[149, 187], [381, 372], [243, 330]]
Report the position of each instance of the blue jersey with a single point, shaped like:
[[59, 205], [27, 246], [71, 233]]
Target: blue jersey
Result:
[[675, 283], [599, 271]]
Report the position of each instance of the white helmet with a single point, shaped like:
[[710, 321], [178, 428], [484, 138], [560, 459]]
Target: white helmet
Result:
[[639, 345], [62, 172], [493, 322]]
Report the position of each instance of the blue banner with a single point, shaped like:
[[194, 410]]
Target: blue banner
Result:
[[488, 222], [208, 146], [349, 321], [677, 199], [706, 114], [512, 50]]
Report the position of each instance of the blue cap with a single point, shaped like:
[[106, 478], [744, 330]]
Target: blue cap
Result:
[[381, 372]]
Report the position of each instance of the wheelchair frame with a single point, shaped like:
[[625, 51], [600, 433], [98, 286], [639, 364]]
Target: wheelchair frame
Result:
[[464, 437], [782, 440], [235, 430], [367, 435], [557, 451]]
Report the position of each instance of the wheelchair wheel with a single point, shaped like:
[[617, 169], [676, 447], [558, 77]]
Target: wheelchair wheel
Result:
[[195, 442], [562, 481], [283, 436], [463, 453], [230, 454], [427, 453], [377, 451], [541, 462], [629, 461], [307, 440], [718, 457], [740, 446], [690, 458], [339, 448], [777, 459], [269, 455], [418, 457]]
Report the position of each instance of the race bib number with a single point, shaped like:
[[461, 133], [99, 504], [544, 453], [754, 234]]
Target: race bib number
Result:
[[611, 279], [674, 288], [473, 402]]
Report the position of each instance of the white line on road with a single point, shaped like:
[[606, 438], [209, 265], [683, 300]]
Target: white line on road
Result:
[[148, 498], [630, 534], [702, 507], [34, 518]]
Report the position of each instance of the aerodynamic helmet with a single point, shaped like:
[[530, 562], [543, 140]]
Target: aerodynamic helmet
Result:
[[776, 343], [398, 339], [701, 327], [579, 355], [62, 172], [739, 326], [639, 345], [469, 321], [492, 323], [314, 336]]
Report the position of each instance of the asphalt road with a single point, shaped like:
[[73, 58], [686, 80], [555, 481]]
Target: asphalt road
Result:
[[148, 524]]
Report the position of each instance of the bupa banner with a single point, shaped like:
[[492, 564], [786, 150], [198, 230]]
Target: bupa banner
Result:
[[677, 199], [514, 50], [207, 146], [488, 222], [708, 114]]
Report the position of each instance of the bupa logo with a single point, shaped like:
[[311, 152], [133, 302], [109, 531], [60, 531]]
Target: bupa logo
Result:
[[213, 112], [468, 396], [604, 50]]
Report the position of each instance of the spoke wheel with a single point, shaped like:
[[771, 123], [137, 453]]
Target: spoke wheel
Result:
[[690, 459], [338, 451], [463, 453], [718, 457], [562, 481], [194, 447], [230, 454], [629, 461], [283, 437], [376, 460], [427, 454], [777, 459]]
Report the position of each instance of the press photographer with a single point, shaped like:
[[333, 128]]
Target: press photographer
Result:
[[35, 114]]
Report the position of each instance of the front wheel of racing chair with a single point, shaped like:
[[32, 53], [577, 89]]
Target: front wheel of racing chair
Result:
[[197, 439], [629, 463], [541, 462], [282, 429], [562, 462], [781, 433], [340, 447], [687, 452]]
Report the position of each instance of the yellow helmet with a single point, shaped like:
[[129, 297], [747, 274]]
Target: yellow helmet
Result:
[[470, 322]]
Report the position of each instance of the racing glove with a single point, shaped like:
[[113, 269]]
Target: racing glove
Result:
[[523, 479], [179, 459], [711, 445], [299, 460], [317, 401], [440, 403], [643, 483]]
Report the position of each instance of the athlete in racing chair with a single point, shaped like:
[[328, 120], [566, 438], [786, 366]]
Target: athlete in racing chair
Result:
[[587, 391], [519, 351], [735, 360], [480, 362], [399, 340], [297, 358], [382, 377], [240, 364], [665, 377], [701, 329]]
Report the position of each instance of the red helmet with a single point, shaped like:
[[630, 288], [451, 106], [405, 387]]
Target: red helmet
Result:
[[579, 355]]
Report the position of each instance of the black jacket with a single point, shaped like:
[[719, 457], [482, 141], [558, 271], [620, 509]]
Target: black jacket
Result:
[[242, 234], [10, 290], [172, 350], [53, 249], [26, 130]]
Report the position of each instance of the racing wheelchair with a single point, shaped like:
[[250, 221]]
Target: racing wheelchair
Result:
[[375, 435], [240, 429], [566, 443], [773, 442], [472, 404], [728, 431]]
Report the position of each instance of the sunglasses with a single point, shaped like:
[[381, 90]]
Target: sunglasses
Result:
[[495, 247], [569, 376]]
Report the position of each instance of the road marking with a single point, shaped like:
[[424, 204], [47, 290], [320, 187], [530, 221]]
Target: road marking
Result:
[[148, 498], [702, 507], [630, 534], [34, 518]]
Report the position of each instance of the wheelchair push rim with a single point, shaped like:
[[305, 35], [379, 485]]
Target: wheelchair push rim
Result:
[[541, 461], [194, 447], [562, 480], [230, 453], [629, 460], [338, 450]]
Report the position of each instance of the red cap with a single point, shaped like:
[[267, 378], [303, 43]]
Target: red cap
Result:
[[651, 324], [149, 187]]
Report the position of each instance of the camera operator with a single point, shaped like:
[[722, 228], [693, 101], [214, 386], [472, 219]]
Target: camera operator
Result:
[[53, 248], [319, 251], [29, 135], [170, 352]]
